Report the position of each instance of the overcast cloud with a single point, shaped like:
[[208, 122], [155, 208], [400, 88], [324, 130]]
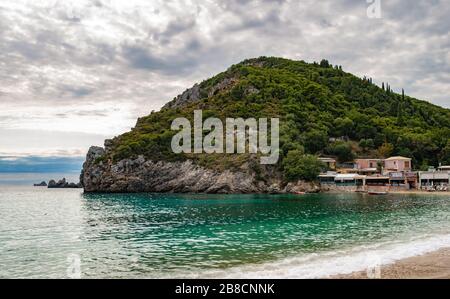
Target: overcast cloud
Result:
[[90, 68]]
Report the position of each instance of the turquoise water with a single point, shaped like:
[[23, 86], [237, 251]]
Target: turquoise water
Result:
[[149, 235]]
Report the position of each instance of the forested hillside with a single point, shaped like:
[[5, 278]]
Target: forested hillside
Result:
[[322, 109]]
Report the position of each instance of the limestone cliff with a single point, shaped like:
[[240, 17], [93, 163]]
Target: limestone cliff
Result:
[[141, 175]]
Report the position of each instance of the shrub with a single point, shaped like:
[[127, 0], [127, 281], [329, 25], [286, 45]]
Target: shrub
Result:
[[297, 166]]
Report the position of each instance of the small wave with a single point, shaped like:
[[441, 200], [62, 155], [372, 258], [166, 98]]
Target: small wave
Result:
[[323, 265]]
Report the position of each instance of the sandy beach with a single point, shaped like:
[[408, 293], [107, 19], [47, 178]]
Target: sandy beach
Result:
[[435, 265]]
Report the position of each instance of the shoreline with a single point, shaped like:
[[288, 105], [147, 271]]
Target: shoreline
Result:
[[409, 192], [420, 192], [433, 265]]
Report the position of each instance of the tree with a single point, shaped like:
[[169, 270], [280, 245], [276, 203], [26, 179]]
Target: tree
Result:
[[400, 118], [343, 151], [366, 144], [288, 146], [324, 63], [379, 166], [315, 141], [386, 150], [297, 166], [445, 158], [343, 126]]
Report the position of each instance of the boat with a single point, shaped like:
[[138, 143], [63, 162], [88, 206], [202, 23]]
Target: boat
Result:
[[378, 193]]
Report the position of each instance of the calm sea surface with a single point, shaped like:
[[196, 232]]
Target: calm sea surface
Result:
[[44, 233]]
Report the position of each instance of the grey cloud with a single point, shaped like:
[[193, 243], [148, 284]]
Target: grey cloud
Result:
[[142, 58], [87, 113], [266, 21], [254, 15], [97, 112], [78, 91], [175, 27], [27, 49]]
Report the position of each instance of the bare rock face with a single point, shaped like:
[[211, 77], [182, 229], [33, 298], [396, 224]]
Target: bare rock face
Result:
[[141, 175], [223, 85], [194, 93], [189, 96]]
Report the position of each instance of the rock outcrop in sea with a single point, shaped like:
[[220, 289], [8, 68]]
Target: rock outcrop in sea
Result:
[[52, 184], [41, 184]]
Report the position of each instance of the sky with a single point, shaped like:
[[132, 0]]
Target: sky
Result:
[[73, 73]]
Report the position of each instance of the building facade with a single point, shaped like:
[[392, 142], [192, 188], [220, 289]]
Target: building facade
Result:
[[398, 164], [435, 180], [392, 174]]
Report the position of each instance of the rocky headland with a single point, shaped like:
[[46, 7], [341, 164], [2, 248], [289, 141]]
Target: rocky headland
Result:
[[142, 175]]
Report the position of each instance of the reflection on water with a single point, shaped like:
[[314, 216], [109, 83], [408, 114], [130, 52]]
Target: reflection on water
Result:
[[153, 235]]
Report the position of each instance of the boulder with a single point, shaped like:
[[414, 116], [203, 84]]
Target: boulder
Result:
[[52, 184]]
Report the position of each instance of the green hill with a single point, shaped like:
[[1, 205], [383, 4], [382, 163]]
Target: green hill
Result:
[[322, 109]]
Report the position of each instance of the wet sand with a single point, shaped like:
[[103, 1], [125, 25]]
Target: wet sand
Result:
[[435, 265]]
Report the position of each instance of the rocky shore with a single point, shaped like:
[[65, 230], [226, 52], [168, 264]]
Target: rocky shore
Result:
[[141, 175]]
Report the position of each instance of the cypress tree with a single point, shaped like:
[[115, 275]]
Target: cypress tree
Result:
[[400, 109]]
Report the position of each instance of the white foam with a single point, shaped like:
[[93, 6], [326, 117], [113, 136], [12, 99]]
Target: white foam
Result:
[[333, 263]]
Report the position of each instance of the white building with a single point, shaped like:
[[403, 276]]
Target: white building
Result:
[[435, 179]]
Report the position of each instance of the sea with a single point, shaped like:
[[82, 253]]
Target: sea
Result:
[[64, 233]]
